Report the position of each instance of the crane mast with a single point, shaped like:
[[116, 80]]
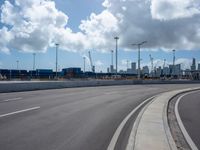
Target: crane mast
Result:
[[91, 63], [151, 60]]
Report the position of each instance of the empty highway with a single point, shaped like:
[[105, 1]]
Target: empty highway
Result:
[[71, 119]]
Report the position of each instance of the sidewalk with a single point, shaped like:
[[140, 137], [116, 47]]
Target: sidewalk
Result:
[[151, 130]]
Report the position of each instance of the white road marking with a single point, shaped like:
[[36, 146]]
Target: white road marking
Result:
[[19, 111], [184, 131], [12, 99], [115, 137]]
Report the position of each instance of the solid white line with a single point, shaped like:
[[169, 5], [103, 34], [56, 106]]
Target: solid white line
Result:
[[115, 137], [12, 99], [19, 111], [185, 133], [132, 136]]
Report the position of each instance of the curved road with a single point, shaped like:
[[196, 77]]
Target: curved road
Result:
[[73, 118], [189, 111]]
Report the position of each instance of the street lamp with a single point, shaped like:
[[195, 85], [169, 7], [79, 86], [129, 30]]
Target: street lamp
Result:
[[112, 57], [84, 64], [18, 68], [34, 61], [127, 64], [116, 38], [17, 64], [173, 72], [57, 60], [139, 45]]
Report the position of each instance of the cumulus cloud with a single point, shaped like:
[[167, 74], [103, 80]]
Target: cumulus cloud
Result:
[[36, 25], [168, 31], [174, 9]]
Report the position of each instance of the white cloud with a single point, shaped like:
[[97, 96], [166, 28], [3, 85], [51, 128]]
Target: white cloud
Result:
[[173, 9], [98, 63], [35, 25], [106, 4]]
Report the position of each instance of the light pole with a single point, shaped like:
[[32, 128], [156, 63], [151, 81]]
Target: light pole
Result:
[[17, 64], [84, 64], [57, 60], [116, 38], [173, 71], [34, 61], [127, 65], [139, 45], [112, 57], [18, 67]]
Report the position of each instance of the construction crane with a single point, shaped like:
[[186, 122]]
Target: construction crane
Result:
[[164, 63], [151, 60], [91, 63]]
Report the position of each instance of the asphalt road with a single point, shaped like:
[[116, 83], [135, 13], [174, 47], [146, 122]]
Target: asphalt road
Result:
[[189, 111], [70, 119]]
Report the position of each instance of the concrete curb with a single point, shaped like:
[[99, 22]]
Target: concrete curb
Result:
[[151, 130], [131, 141]]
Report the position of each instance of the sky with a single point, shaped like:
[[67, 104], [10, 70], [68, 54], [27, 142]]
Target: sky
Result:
[[79, 26]]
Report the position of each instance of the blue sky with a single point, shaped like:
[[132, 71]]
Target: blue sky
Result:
[[78, 10]]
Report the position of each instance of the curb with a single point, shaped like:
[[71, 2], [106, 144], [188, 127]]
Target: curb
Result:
[[151, 130]]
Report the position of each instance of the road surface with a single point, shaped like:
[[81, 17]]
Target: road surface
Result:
[[71, 119], [189, 111]]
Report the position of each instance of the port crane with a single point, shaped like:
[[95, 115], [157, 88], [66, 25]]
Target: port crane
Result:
[[91, 63]]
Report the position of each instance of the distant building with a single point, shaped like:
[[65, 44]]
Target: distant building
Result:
[[166, 71], [108, 70], [177, 70], [193, 67], [122, 71], [133, 66], [187, 72], [71, 72], [112, 69], [158, 72], [198, 66], [132, 70], [145, 70], [171, 71]]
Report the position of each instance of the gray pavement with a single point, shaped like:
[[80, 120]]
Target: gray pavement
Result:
[[72, 119], [189, 111]]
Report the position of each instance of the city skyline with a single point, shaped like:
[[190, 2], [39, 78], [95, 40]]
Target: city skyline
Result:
[[80, 20]]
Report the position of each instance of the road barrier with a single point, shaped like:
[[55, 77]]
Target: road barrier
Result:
[[42, 85]]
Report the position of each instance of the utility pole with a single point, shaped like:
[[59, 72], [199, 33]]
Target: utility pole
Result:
[[34, 61], [112, 57], [152, 69], [173, 71], [164, 67], [116, 38], [84, 64], [139, 45], [57, 45], [164, 63], [127, 65], [17, 64], [18, 68]]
